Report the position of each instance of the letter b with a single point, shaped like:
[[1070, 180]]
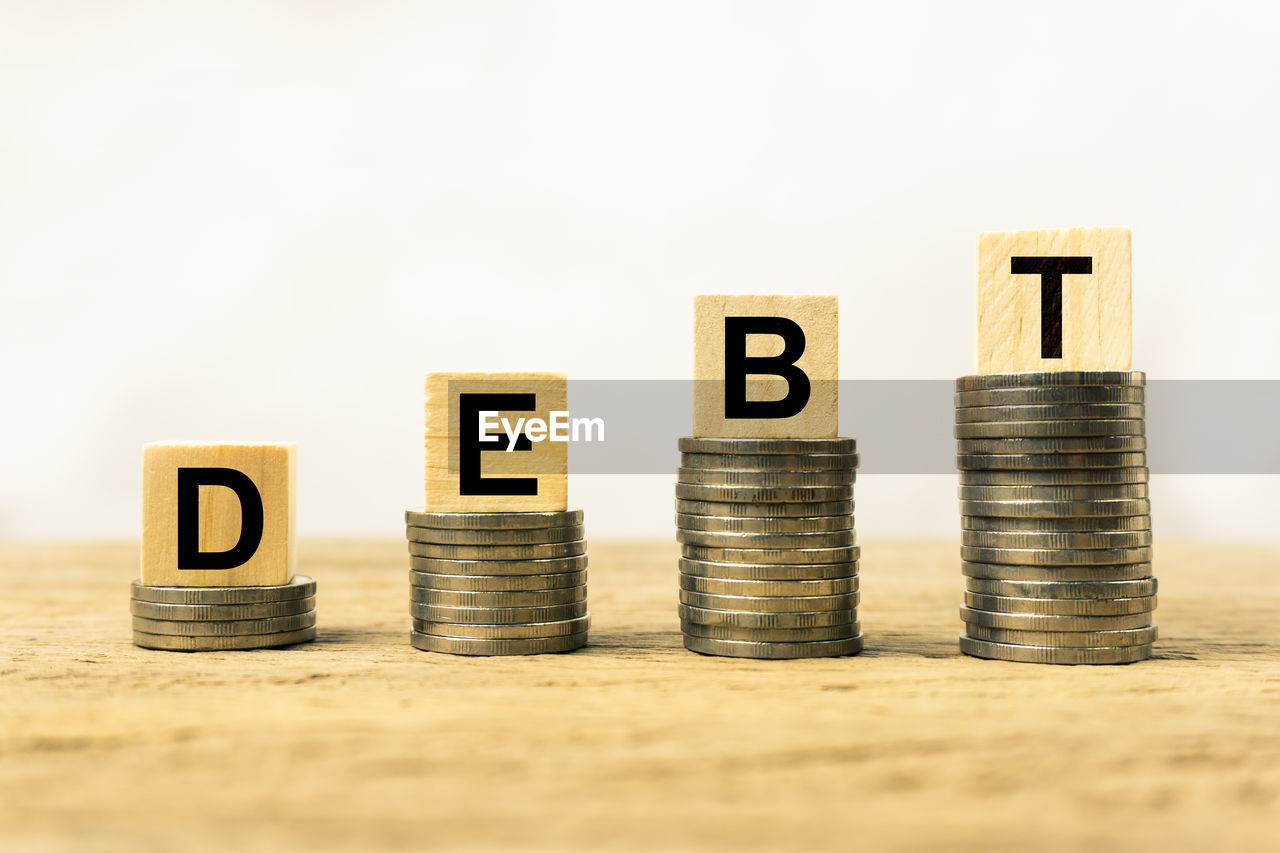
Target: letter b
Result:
[[738, 365]]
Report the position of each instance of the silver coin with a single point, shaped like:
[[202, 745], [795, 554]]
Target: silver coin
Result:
[[770, 510], [523, 598], [497, 615], [520, 631], [730, 524], [1063, 445], [1056, 556], [1008, 539], [1062, 589], [497, 583], [1039, 622], [772, 635], [1050, 429], [492, 520], [773, 651], [235, 628], [767, 572], [1057, 509], [173, 643], [470, 646], [768, 445], [1052, 396], [771, 461], [1047, 461], [769, 604], [300, 587], [547, 566], [1102, 524], [995, 571], [1079, 477], [1065, 639], [220, 612], [1057, 412], [732, 586], [793, 556], [1061, 606], [1051, 379], [822, 539], [517, 536], [1052, 654], [744, 619], [1054, 493], [549, 550], [770, 479], [753, 494]]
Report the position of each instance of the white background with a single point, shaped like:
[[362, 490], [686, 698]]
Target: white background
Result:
[[267, 221]]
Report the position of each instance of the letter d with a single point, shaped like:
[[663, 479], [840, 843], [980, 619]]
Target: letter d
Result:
[[189, 554]]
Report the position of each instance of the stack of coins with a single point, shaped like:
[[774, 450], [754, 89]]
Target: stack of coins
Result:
[[497, 583], [1057, 526], [769, 565], [223, 618]]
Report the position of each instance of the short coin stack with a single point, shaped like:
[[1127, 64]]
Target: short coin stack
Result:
[[497, 583], [223, 618], [1056, 516], [769, 565]]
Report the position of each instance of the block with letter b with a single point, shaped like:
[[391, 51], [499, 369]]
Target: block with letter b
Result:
[[218, 514], [765, 366], [1054, 300], [494, 442]]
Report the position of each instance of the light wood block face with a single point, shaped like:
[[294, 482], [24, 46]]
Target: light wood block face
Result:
[[218, 514], [786, 347], [459, 469], [1054, 300]]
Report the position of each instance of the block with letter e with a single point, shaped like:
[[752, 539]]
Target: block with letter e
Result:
[[1054, 300], [493, 442], [765, 366], [218, 514]]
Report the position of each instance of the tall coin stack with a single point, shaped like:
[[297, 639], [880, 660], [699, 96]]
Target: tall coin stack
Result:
[[1057, 526], [769, 565], [497, 583], [223, 618]]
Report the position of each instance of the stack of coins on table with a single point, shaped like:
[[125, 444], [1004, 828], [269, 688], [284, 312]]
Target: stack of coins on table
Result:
[[223, 618], [497, 583], [1056, 517], [769, 565]]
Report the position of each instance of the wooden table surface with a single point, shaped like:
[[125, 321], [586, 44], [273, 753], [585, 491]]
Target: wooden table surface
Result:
[[360, 741]]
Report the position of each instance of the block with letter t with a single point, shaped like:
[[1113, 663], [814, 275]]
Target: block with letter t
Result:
[[765, 366], [218, 514], [1054, 300]]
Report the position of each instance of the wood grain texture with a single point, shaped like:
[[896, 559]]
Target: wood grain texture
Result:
[[357, 741], [1097, 308], [547, 460], [272, 468], [817, 316]]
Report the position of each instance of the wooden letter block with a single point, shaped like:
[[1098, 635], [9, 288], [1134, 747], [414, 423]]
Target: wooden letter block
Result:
[[1054, 300], [464, 474], [765, 366], [218, 514]]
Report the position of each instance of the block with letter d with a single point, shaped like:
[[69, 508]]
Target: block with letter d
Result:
[[496, 442], [765, 366], [218, 514]]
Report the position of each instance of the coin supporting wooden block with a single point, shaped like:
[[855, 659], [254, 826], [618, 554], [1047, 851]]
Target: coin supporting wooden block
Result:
[[218, 515], [1054, 300], [765, 366], [495, 442]]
